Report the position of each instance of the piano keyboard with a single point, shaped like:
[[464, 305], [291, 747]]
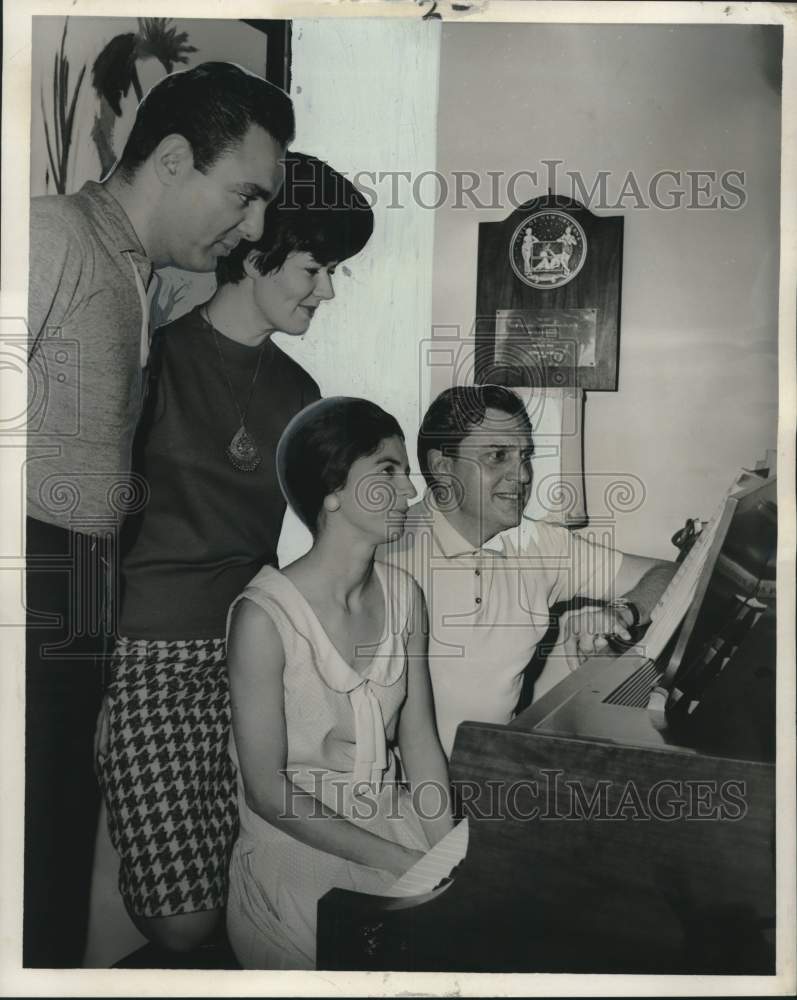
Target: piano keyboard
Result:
[[435, 865]]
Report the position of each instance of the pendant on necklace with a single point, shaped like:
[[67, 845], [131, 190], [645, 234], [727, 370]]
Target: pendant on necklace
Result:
[[242, 451]]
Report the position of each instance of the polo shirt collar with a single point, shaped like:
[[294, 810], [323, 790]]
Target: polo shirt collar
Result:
[[450, 542]]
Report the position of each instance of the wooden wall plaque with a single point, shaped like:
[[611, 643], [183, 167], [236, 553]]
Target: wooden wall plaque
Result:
[[548, 297]]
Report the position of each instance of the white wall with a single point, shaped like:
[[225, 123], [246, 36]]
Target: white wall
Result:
[[698, 380], [365, 94]]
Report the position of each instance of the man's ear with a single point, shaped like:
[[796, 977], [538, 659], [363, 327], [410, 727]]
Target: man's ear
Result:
[[173, 158], [438, 463]]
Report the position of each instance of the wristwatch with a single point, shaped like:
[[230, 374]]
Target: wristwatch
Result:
[[623, 605], [626, 609]]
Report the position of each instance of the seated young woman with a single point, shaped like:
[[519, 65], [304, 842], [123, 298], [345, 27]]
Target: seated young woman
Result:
[[327, 668]]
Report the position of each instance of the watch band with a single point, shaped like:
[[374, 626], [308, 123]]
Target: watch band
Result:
[[629, 606]]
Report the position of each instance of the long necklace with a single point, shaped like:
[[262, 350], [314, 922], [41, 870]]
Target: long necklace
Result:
[[242, 452]]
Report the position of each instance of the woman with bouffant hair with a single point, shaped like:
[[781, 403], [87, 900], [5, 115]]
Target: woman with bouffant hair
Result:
[[327, 667]]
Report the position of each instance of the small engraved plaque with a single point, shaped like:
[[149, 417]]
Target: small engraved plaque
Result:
[[544, 346]]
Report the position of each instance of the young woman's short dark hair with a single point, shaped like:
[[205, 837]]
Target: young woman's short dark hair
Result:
[[317, 211], [456, 412], [213, 106], [322, 442]]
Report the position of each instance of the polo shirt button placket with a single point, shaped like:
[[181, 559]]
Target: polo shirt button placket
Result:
[[477, 584]]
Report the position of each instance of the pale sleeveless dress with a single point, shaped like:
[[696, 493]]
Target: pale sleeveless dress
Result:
[[340, 725]]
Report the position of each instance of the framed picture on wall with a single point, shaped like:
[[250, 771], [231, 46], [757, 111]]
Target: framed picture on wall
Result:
[[278, 51]]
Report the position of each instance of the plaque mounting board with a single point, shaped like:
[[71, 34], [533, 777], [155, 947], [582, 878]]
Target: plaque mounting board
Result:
[[548, 297]]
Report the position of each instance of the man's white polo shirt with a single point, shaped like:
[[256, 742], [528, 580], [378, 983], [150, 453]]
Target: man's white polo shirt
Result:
[[489, 607]]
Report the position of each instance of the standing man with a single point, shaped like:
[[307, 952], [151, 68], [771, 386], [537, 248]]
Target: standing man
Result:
[[489, 575], [200, 166]]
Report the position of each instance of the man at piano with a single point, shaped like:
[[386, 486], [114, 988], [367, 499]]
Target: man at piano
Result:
[[491, 576]]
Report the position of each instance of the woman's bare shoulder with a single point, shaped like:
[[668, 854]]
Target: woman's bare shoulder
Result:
[[252, 626]]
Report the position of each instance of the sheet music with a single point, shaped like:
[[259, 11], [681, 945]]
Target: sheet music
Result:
[[435, 865], [677, 598]]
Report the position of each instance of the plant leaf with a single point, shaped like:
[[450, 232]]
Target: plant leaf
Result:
[[49, 148], [70, 118], [63, 94], [56, 133]]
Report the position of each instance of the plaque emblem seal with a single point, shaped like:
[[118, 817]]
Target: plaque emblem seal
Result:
[[548, 249]]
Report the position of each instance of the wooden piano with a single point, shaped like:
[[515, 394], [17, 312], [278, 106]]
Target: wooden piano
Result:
[[598, 840]]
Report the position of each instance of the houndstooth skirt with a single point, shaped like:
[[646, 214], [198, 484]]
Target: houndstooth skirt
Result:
[[168, 780]]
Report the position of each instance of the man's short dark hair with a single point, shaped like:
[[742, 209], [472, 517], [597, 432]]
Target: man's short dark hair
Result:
[[320, 445], [317, 211], [458, 411], [213, 106]]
